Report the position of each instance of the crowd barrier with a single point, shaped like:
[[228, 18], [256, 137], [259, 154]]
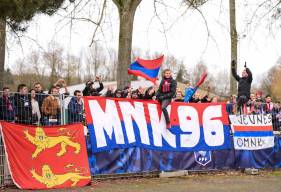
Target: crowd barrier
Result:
[[136, 159]]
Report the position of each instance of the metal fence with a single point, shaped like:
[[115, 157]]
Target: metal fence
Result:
[[46, 109]]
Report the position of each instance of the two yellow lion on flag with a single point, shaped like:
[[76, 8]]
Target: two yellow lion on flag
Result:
[[44, 142]]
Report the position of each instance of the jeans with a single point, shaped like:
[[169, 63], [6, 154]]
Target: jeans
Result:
[[47, 122], [241, 102], [164, 104]]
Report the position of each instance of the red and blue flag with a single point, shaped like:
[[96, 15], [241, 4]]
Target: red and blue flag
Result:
[[147, 69]]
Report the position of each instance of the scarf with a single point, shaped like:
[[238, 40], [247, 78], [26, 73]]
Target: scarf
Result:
[[166, 86], [7, 103]]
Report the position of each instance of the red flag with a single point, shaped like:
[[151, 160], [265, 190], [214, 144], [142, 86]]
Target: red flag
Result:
[[202, 79], [46, 157]]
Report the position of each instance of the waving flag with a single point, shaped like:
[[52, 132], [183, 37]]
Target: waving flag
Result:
[[189, 92], [147, 69]]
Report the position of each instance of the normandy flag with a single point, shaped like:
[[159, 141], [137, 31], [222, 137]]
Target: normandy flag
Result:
[[46, 157]]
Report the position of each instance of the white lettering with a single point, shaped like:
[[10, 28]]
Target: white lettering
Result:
[[107, 121], [159, 130], [213, 129], [189, 122], [137, 113]]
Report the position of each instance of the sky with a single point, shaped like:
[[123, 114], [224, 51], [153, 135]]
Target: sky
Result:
[[189, 35]]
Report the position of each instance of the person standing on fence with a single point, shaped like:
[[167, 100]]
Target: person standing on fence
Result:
[[244, 86], [51, 108], [7, 108], [166, 92], [22, 105], [36, 114], [75, 108]]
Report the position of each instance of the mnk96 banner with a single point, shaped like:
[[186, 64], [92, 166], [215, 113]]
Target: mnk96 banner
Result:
[[123, 123], [46, 157], [252, 132]]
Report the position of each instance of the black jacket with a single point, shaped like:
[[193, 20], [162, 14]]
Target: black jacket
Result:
[[23, 108], [160, 95], [147, 95], [244, 83], [90, 91], [5, 113]]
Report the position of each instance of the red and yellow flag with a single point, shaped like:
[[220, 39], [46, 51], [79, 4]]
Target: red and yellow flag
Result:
[[46, 157]]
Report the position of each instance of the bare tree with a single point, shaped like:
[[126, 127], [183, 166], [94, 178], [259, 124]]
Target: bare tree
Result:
[[54, 59], [70, 70], [234, 37], [37, 67], [2, 50], [270, 82], [126, 9]]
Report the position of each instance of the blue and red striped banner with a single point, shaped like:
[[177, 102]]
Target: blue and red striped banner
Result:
[[252, 132], [123, 123]]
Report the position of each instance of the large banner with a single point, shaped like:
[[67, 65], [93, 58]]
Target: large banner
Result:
[[137, 160], [46, 157], [124, 123], [252, 132]]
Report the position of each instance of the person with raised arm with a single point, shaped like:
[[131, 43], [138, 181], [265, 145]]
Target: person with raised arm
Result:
[[244, 86], [89, 90]]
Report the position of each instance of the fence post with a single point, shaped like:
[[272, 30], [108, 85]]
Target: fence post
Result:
[[2, 163], [62, 115]]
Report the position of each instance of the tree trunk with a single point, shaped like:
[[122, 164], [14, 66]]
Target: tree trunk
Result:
[[233, 36], [126, 9], [2, 51]]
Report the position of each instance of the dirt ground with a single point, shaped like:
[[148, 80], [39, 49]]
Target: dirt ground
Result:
[[236, 182]]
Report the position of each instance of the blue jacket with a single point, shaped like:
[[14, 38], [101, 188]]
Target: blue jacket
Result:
[[75, 111]]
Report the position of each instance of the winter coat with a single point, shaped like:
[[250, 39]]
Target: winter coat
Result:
[[90, 91], [23, 108], [75, 111], [7, 109], [147, 95], [50, 106], [244, 83], [162, 93]]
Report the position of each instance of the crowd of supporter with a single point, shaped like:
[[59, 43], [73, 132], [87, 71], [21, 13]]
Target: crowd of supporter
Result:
[[34, 106]]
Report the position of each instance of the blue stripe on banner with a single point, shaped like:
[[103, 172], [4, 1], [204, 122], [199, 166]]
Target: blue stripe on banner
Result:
[[152, 73], [253, 134], [175, 130]]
